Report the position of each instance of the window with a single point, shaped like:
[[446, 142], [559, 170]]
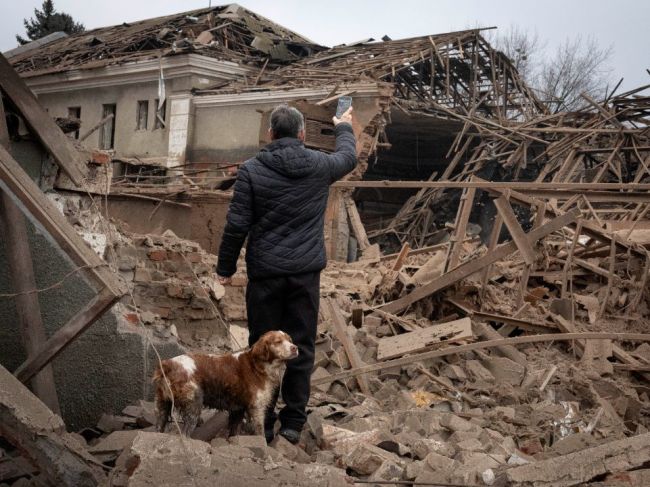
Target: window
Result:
[[75, 112], [160, 115], [107, 133], [143, 115]]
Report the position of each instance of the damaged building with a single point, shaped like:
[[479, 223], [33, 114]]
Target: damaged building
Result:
[[484, 312]]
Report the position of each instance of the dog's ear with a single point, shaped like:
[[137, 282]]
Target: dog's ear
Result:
[[262, 350]]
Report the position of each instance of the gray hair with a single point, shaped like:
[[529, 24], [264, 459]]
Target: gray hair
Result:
[[286, 121]]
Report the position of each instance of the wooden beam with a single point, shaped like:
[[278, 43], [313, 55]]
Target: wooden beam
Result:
[[21, 271], [520, 340], [65, 335], [516, 232], [399, 261], [28, 310], [341, 332], [41, 123], [16, 181], [589, 228], [464, 210], [495, 185], [356, 224], [418, 340], [40, 435], [468, 268]]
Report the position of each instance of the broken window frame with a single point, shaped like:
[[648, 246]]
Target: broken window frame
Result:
[[161, 114], [75, 112], [107, 132], [142, 115]]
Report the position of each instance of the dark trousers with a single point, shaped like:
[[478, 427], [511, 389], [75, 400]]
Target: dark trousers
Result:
[[290, 304]]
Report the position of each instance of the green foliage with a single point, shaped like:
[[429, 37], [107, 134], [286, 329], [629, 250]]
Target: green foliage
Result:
[[48, 21]]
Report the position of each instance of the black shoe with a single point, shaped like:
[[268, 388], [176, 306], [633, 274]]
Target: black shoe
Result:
[[292, 436], [269, 434]]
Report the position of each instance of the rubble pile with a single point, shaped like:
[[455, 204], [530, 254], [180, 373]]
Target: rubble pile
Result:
[[505, 347]]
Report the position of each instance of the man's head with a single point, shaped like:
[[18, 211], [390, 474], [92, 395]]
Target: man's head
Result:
[[287, 121]]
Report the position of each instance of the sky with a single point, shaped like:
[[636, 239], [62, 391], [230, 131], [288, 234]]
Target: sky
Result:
[[622, 24]]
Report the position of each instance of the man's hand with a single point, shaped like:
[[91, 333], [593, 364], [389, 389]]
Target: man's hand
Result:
[[345, 118], [224, 281]]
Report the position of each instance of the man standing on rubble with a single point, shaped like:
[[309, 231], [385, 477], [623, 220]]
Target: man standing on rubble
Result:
[[279, 203]]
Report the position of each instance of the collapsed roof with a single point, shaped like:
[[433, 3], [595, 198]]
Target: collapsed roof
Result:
[[228, 32], [458, 70]]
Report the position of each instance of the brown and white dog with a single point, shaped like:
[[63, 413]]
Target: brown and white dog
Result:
[[242, 383]]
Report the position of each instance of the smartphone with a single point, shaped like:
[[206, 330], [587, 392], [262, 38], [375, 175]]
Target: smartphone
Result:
[[345, 102]]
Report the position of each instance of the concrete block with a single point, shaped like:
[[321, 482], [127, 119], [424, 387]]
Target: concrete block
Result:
[[319, 373], [387, 471], [289, 450], [478, 372], [505, 370], [471, 444], [413, 469], [366, 459], [248, 441], [456, 423], [423, 447], [438, 462], [454, 372]]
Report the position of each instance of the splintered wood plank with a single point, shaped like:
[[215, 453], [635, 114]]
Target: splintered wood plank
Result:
[[357, 226], [516, 232], [467, 202], [41, 123], [65, 335], [416, 341], [341, 331], [468, 268]]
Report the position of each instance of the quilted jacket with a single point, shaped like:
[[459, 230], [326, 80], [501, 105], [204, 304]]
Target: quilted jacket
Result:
[[279, 202]]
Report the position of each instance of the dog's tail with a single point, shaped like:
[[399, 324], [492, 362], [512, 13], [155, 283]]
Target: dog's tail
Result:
[[162, 382]]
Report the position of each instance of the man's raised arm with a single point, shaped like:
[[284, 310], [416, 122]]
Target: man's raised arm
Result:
[[344, 159]]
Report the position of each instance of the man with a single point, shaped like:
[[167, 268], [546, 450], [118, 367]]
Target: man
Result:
[[279, 203]]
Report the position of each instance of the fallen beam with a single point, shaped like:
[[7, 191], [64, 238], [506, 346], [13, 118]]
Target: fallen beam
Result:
[[469, 268], [31, 427], [28, 310], [516, 232], [341, 332], [496, 185], [65, 335], [520, 340]]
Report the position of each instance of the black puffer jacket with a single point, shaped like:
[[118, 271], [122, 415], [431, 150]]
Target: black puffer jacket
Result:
[[279, 203]]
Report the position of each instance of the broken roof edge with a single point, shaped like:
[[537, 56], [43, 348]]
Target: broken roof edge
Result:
[[54, 36], [229, 32], [415, 38], [139, 71], [206, 98]]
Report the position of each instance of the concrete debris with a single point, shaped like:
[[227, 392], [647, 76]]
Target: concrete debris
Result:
[[484, 307]]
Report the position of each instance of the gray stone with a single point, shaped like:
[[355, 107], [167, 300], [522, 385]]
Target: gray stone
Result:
[[365, 458], [478, 372], [387, 471], [505, 370]]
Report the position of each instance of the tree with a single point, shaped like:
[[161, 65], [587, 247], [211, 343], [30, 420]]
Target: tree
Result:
[[576, 66], [48, 21], [523, 49]]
